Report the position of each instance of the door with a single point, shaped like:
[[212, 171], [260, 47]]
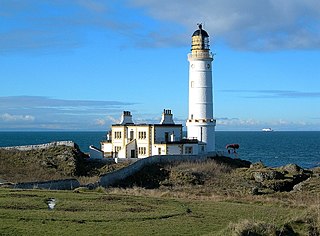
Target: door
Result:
[[133, 153]]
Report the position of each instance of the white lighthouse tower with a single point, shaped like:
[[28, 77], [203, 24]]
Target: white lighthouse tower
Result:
[[200, 123]]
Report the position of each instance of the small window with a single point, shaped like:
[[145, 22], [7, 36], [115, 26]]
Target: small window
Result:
[[188, 150], [117, 134], [166, 136], [142, 135], [142, 150]]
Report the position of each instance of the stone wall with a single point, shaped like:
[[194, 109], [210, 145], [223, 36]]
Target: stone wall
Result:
[[118, 175], [63, 184], [41, 146]]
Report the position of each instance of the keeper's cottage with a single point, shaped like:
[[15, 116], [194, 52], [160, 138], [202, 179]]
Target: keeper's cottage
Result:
[[130, 140]]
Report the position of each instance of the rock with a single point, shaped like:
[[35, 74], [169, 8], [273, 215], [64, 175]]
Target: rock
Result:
[[261, 176], [257, 165], [283, 185], [91, 186], [254, 191], [298, 187], [292, 168], [300, 177]]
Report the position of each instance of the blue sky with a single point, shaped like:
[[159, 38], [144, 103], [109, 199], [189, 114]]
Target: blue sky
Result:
[[77, 64]]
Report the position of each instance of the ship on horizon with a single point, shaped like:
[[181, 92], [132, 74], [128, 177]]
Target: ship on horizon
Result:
[[267, 130]]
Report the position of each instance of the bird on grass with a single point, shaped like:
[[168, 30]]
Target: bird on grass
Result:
[[51, 202]]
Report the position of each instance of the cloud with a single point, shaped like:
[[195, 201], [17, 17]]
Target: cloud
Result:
[[36, 112], [46, 102], [100, 122], [237, 122], [32, 25], [12, 118], [240, 124], [274, 93], [246, 24]]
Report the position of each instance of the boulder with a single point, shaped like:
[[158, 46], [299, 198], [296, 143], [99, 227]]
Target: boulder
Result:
[[257, 165], [260, 176], [292, 168], [283, 185]]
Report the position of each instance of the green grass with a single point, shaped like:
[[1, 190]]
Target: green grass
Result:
[[24, 212]]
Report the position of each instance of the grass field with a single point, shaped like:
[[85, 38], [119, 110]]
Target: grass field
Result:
[[218, 197], [24, 212]]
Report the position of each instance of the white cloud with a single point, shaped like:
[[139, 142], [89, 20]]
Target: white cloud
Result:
[[100, 122], [239, 124], [57, 114], [113, 120], [274, 93], [12, 118], [246, 24]]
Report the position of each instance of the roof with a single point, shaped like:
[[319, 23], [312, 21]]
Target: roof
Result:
[[182, 141], [156, 125], [200, 32]]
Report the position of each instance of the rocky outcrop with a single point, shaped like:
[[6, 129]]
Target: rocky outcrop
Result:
[[44, 163], [278, 179], [263, 175]]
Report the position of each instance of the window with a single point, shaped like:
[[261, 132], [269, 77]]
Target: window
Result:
[[142, 150], [131, 134], [117, 148], [166, 136], [117, 134], [192, 84], [142, 134], [188, 150], [159, 151]]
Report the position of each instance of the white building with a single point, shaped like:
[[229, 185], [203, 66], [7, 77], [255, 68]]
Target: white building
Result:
[[201, 123], [130, 140]]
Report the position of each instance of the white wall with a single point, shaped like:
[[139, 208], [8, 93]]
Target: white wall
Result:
[[200, 89], [106, 146]]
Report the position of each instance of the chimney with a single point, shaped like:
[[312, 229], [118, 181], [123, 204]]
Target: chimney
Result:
[[167, 117], [108, 136], [126, 118], [172, 137]]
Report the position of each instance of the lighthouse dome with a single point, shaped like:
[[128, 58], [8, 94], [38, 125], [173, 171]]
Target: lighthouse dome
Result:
[[200, 32], [200, 40]]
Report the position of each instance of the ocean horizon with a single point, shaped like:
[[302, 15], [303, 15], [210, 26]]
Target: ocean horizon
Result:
[[272, 148]]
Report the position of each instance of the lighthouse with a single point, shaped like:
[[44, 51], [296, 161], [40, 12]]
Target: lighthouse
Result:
[[201, 123]]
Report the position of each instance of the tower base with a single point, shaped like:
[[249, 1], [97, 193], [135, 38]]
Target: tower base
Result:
[[203, 132]]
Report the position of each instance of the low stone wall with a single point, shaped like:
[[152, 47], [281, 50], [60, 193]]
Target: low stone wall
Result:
[[63, 184], [41, 146], [118, 175]]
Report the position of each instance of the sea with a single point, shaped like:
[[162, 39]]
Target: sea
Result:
[[272, 148]]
